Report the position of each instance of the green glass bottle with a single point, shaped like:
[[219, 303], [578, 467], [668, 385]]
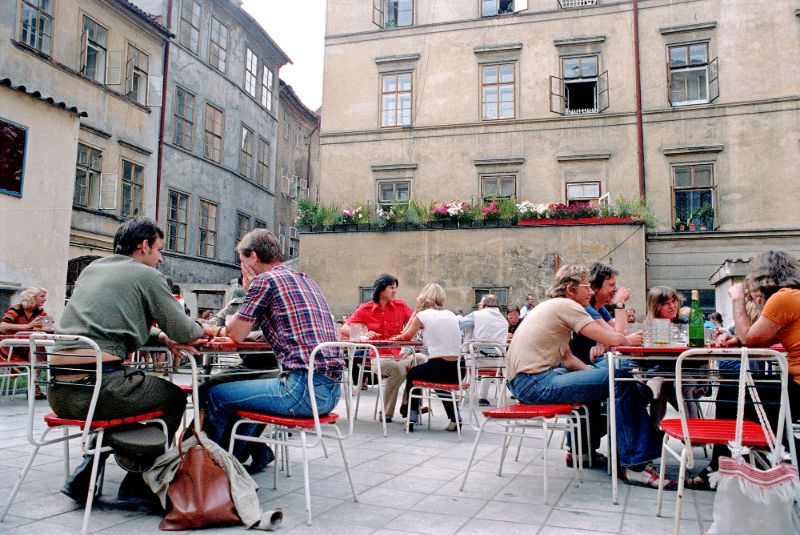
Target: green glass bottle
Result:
[[696, 331]]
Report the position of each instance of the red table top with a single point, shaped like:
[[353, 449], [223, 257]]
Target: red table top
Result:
[[226, 344]]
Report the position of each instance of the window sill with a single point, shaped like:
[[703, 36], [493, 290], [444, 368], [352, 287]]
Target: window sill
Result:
[[101, 213]]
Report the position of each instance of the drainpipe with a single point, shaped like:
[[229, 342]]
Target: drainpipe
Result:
[[308, 161], [165, 72], [638, 91]]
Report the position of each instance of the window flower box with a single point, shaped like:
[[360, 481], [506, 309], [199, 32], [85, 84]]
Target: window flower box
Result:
[[549, 221]]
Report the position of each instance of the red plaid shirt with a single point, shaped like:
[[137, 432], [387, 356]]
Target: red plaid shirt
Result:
[[291, 311]]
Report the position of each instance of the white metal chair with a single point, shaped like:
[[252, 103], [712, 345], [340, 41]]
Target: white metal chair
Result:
[[424, 390], [513, 420], [484, 360], [695, 431], [280, 426], [90, 432], [12, 368], [371, 364]]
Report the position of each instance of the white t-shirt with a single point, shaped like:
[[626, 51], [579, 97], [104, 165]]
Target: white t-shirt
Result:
[[440, 332], [490, 325]]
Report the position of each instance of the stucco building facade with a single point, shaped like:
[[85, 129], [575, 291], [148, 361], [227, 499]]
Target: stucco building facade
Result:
[[538, 100], [104, 57], [218, 177], [297, 166]]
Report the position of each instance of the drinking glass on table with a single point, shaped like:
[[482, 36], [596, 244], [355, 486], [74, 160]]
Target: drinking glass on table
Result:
[[47, 324], [358, 332]]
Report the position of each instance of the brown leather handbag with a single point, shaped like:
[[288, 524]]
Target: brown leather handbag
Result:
[[200, 493]]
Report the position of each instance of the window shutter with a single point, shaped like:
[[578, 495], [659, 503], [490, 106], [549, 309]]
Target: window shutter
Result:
[[713, 80], [602, 92], [154, 94], [293, 232], [285, 185], [557, 95], [669, 81], [377, 13], [108, 191], [84, 49], [129, 76], [520, 5], [114, 68], [293, 187]]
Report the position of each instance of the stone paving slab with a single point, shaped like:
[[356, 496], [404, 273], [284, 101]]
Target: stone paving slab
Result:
[[407, 483]]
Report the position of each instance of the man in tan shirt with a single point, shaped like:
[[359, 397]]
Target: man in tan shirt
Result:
[[542, 370]]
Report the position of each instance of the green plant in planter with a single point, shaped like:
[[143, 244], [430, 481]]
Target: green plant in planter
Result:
[[507, 208], [328, 214], [418, 213], [307, 213], [636, 207], [706, 215]]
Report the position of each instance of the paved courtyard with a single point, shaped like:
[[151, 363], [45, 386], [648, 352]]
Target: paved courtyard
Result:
[[406, 484]]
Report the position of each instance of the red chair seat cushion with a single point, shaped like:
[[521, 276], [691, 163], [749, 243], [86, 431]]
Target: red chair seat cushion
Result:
[[487, 372], [185, 388], [441, 386], [13, 362], [520, 410], [288, 421], [53, 420], [702, 431]]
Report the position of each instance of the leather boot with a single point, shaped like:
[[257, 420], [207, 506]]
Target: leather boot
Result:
[[260, 456], [135, 495], [77, 486]]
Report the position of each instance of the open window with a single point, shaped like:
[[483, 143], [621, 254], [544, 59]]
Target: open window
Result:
[[492, 8], [583, 193], [94, 50], [13, 142], [581, 89], [692, 77]]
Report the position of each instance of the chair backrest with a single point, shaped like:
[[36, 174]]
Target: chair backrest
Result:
[[38, 340], [347, 350], [744, 381]]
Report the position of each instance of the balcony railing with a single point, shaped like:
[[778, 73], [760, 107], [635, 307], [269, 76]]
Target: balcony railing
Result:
[[568, 4]]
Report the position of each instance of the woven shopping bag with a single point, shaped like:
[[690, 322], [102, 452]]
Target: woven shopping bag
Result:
[[751, 500]]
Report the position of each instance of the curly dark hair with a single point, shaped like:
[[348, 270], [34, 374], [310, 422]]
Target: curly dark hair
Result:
[[599, 273], [380, 285], [772, 270]]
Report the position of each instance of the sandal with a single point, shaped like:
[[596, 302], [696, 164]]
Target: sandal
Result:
[[699, 481], [648, 477]]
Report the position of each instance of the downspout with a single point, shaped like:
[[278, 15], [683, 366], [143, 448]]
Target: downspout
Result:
[[308, 161], [165, 71], [638, 91], [639, 128]]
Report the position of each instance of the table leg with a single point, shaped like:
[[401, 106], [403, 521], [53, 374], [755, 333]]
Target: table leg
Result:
[[612, 435]]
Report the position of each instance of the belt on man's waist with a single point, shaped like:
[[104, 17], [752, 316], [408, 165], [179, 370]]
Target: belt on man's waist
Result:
[[109, 366]]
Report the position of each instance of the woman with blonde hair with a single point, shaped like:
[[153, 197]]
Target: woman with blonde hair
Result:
[[441, 334], [25, 316]]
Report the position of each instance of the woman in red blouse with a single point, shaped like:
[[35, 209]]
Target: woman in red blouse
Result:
[[25, 316]]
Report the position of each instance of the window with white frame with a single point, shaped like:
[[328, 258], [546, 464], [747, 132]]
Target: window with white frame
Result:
[[95, 50], [396, 93], [212, 139], [183, 118], [498, 186], [207, 235], [246, 152], [497, 91], [177, 221], [693, 79], [132, 189], [582, 192], [266, 88], [218, 45], [251, 73], [262, 163], [87, 176], [394, 191], [491, 8], [136, 75], [580, 84], [191, 11], [36, 30], [693, 193]]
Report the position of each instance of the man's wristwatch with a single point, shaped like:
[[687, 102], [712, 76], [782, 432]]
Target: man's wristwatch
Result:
[[616, 305]]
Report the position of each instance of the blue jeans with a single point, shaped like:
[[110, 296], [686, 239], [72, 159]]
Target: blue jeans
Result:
[[282, 396], [636, 441]]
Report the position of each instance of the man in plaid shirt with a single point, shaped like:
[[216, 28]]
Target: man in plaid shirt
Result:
[[294, 317]]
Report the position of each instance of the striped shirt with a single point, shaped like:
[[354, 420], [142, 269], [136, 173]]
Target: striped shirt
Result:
[[291, 311]]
